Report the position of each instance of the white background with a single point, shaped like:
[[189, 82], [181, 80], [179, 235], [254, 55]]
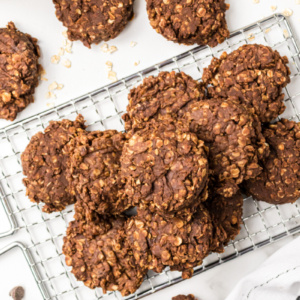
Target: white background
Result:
[[87, 73]]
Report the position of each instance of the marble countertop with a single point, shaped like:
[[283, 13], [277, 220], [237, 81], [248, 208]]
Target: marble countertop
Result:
[[88, 73]]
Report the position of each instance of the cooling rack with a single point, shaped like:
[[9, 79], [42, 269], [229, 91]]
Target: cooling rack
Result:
[[39, 235]]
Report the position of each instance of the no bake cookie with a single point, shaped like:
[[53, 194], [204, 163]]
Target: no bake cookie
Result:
[[234, 138], [253, 75], [19, 70], [199, 22], [161, 97], [93, 21], [94, 171], [166, 165], [44, 164], [279, 182]]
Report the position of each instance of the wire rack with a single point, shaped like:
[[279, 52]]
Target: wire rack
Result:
[[40, 235]]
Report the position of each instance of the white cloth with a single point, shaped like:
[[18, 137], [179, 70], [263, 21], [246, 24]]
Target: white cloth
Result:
[[278, 278]]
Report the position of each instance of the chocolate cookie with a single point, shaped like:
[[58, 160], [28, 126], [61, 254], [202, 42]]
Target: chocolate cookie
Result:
[[165, 165], [19, 71], [94, 21], [183, 297], [253, 75], [226, 214], [161, 97], [44, 164], [93, 171], [159, 242], [104, 260], [189, 22], [234, 138], [279, 182]]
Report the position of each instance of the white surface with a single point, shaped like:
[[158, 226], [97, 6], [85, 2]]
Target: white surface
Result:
[[88, 73], [277, 278]]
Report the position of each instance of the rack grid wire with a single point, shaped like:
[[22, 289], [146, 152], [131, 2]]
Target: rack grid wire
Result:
[[40, 235]]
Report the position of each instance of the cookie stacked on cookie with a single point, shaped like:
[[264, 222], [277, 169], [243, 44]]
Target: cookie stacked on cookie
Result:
[[188, 152]]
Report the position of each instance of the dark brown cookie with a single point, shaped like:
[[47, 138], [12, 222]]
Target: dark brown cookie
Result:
[[94, 21], [279, 182], [253, 75], [226, 214], [19, 71], [159, 242], [234, 138], [93, 171], [161, 97], [44, 164], [183, 297], [104, 260], [190, 22], [165, 165]]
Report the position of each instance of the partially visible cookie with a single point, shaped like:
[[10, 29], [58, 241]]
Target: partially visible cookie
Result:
[[44, 164], [162, 97], [234, 138], [94, 171], [183, 297], [159, 242], [199, 22], [253, 75], [94, 21], [279, 182], [104, 260], [226, 214], [166, 165], [19, 70]]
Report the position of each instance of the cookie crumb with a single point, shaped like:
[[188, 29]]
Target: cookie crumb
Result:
[[287, 12], [65, 34], [17, 293], [285, 33], [55, 59], [50, 95], [50, 105], [112, 49], [61, 51], [133, 44], [273, 7], [251, 37], [104, 48], [112, 76], [136, 63], [109, 65], [67, 63], [256, 1], [60, 86], [267, 30], [53, 86]]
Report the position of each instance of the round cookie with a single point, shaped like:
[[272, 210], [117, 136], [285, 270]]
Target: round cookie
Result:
[[183, 297], [94, 21], [159, 242], [226, 214], [94, 171], [166, 165], [19, 71], [279, 182], [253, 75], [234, 138], [44, 164], [199, 22], [104, 260], [161, 97]]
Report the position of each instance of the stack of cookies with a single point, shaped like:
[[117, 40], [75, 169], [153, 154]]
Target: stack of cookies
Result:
[[189, 151]]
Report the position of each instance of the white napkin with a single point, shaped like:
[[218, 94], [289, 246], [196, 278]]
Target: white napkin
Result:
[[278, 278]]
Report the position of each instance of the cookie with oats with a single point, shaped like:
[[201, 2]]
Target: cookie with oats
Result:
[[19, 71], [44, 164], [94, 21]]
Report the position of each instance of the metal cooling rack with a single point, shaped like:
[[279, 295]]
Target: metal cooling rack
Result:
[[40, 235]]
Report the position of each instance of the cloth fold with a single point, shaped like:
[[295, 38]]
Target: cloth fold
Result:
[[278, 278]]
